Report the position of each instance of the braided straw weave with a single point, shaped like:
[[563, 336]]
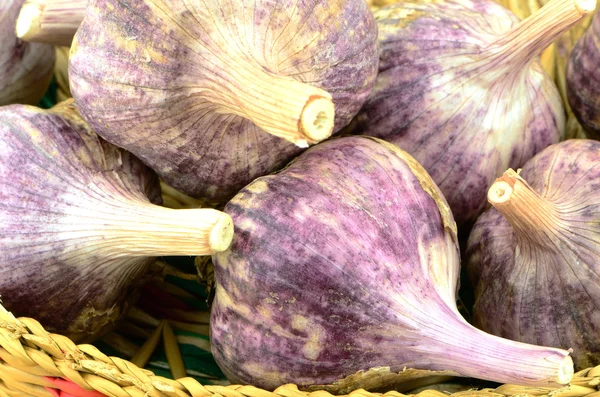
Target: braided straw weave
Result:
[[34, 362]]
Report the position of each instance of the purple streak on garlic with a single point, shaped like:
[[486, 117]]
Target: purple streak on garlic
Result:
[[535, 258], [347, 261], [583, 79], [78, 227], [461, 89], [203, 92], [26, 67]]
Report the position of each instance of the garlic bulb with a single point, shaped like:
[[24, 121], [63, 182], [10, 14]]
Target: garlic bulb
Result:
[[50, 21], [535, 258], [342, 274], [583, 79], [564, 45], [200, 90], [78, 227], [26, 67], [461, 89]]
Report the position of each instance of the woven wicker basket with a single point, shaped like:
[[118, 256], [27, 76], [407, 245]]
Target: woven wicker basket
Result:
[[34, 362]]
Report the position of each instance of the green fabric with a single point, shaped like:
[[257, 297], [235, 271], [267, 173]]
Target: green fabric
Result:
[[186, 264], [198, 361], [49, 98]]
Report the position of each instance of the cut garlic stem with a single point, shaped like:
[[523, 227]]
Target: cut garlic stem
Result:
[[540, 29], [530, 214], [50, 21], [150, 230], [284, 107]]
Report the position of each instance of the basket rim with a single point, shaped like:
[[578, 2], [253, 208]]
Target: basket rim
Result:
[[31, 359]]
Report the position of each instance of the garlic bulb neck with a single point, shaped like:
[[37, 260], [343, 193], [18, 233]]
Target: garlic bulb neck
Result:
[[149, 230], [539, 30], [531, 216], [280, 105], [480, 354], [50, 21]]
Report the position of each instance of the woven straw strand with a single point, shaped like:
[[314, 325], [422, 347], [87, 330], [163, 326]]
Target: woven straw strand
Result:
[[29, 354]]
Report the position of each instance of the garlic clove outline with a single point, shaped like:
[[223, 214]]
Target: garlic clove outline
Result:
[[343, 271]]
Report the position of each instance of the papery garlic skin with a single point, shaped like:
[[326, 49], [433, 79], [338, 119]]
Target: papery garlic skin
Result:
[[564, 46], [460, 97], [347, 261], [537, 280], [26, 67], [78, 223], [583, 79], [50, 21], [192, 87]]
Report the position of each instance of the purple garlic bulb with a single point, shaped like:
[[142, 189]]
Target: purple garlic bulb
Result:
[[79, 224], [343, 273], [203, 91], [583, 79], [460, 88], [26, 68], [533, 259]]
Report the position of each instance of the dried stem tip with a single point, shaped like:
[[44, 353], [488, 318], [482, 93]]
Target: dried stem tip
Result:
[[50, 21], [541, 28], [295, 111], [221, 234], [151, 230], [316, 121], [503, 188], [530, 214], [585, 6]]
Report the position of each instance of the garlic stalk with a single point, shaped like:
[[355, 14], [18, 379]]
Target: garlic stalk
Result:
[[524, 9], [534, 258], [532, 217], [202, 91], [50, 21], [460, 87], [79, 224], [26, 67]]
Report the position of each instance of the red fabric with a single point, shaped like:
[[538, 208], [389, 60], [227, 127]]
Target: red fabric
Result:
[[65, 388], [159, 303]]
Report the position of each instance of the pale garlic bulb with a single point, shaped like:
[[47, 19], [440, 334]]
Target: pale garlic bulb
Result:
[[204, 91], [460, 88], [26, 68]]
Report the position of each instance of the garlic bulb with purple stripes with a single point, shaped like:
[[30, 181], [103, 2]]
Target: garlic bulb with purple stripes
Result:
[[25, 68], [213, 94], [534, 258], [343, 272], [460, 88], [583, 79], [79, 224]]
